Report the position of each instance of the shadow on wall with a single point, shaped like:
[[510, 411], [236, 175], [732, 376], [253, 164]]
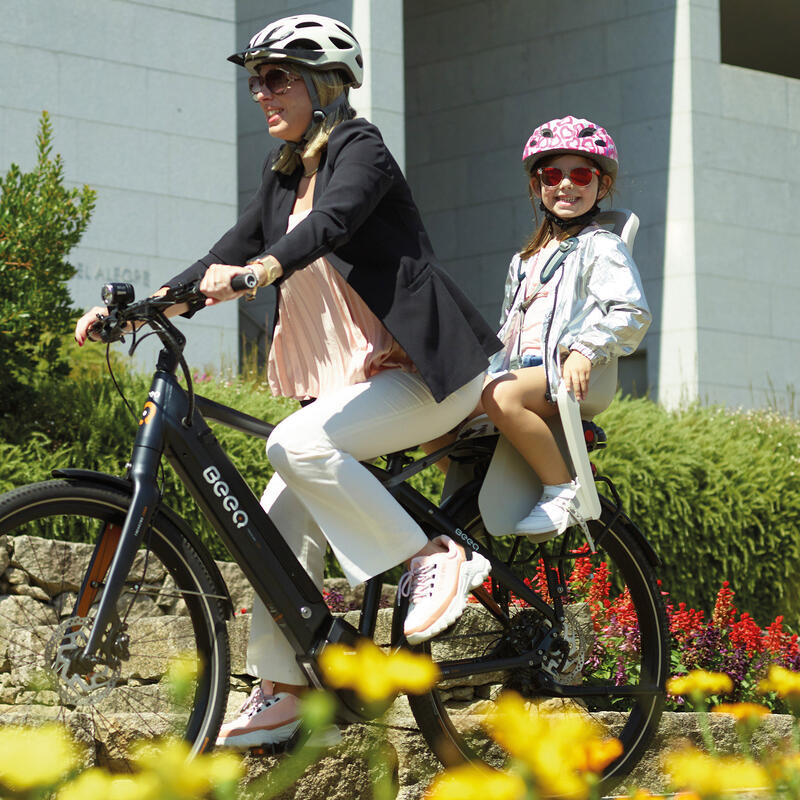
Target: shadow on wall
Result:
[[481, 75]]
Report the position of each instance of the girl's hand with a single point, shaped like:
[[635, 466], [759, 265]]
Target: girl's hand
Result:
[[85, 322], [216, 283], [575, 371]]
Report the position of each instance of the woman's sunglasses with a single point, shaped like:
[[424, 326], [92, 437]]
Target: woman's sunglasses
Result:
[[580, 176], [274, 81]]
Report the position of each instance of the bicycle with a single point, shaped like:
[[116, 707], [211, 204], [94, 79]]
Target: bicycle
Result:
[[95, 649]]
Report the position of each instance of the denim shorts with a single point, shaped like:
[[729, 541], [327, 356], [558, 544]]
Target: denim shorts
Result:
[[531, 360]]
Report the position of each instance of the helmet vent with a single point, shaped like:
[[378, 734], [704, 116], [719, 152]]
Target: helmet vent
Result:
[[587, 132], [546, 133], [359, 60], [600, 142], [303, 44], [308, 24], [340, 43]]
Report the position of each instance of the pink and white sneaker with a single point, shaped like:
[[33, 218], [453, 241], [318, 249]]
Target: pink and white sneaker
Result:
[[264, 718], [438, 586]]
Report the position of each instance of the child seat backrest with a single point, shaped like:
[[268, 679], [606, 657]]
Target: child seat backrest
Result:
[[622, 222]]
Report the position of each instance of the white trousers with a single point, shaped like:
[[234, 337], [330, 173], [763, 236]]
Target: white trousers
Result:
[[320, 490]]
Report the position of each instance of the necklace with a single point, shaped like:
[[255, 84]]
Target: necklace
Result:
[[312, 173]]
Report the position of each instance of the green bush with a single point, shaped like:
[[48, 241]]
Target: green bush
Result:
[[717, 493], [40, 222], [84, 423]]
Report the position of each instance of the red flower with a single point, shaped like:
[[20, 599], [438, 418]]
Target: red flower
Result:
[[724, 610], [746, 634]]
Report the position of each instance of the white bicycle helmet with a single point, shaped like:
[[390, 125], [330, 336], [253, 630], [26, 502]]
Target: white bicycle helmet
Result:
[[309, 39]]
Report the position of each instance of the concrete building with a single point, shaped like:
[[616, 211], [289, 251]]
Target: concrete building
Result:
[[702, 97]]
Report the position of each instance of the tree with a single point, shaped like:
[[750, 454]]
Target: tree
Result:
[[40, 222]]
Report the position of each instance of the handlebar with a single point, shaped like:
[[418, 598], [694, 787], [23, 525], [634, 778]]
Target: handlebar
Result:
[[122, 310], [118, 298]]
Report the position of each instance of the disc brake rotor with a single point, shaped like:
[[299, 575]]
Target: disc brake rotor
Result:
[[73, 688]]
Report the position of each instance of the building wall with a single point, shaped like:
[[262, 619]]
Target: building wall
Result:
[[746, 133], [482, 74], [143, 110]]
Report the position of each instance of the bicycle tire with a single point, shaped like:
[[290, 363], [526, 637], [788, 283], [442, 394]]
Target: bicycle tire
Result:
[[170, 603], [448, 718]]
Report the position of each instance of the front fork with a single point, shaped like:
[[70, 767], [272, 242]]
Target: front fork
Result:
[[147, 451]]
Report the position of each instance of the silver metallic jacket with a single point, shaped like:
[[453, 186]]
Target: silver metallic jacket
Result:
[[598, 306]]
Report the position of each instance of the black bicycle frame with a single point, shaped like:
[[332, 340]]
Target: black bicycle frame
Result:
[[251, 537]]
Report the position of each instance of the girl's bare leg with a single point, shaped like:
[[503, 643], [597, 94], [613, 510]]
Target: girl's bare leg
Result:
[[516, 404]]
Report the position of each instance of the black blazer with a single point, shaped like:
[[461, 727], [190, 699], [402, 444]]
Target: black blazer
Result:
[[365, 222]]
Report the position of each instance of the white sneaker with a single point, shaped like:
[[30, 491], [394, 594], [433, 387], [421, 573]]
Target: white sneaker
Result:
[[439, 585], [264, 719], [553, 514]]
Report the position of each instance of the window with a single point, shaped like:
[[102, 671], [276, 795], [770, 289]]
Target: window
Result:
[[762, 35]]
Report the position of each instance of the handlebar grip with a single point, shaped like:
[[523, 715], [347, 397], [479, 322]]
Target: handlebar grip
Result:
[[245, 280], [95, 330]]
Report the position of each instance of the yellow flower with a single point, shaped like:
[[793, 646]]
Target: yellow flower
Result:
[[691, 769], [699, 681], [224, 768], [93, 784], [373, 674], [476, 782], [743, 712], [783, 681], [597, 754], [31, 757], [186, 777], [142, 786], [561, 750]]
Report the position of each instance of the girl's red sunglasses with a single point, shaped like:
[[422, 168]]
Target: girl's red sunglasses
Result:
[[580, 176]]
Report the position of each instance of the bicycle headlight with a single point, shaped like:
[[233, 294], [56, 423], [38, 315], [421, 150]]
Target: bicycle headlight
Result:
[[117, 294]]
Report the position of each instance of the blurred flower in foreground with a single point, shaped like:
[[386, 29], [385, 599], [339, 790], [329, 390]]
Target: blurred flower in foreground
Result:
[[782, 681], [97, 784], [695, 771], [743, 712], [181, 777], [375, 675], [563, 752], [476, 782], [700, 682], [181, 676], [33, 757]]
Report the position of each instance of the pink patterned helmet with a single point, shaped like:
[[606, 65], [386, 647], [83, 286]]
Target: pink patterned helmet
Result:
[[571, 135]]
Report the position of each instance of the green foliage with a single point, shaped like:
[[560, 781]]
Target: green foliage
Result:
[[717, 493], [40, 222]]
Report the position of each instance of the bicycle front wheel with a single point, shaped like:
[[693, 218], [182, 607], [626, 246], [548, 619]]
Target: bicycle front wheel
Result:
[[169, 665], [612, 657]]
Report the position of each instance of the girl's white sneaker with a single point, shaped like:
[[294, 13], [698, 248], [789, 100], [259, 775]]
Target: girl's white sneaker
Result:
[[554, 513]]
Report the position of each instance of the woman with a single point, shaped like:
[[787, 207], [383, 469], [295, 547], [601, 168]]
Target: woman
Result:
[[368, 327]]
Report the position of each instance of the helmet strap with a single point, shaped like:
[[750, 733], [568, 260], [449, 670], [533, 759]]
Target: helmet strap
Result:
[[583, 219], [320, 113]]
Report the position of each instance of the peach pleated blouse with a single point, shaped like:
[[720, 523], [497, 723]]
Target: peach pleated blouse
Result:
[[326, 336]]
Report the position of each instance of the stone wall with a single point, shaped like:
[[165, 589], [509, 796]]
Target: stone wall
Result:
[[39, 579]]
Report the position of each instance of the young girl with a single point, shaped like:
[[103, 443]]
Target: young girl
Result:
[[573, 304]]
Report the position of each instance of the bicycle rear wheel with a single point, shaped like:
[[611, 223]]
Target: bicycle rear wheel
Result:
[[171, 610], [615, 641]]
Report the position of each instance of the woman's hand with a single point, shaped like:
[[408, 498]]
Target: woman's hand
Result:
[[86, 321], [216, 283], [575, 371]]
